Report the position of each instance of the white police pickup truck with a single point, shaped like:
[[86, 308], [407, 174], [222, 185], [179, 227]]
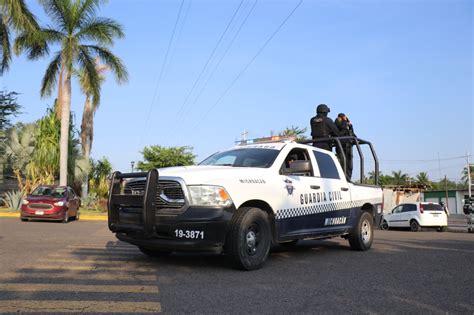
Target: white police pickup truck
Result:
[[243, 200]]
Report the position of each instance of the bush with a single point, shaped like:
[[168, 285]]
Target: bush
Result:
[[13, 199]]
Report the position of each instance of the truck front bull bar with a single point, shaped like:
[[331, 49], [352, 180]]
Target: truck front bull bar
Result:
[[147, 201]]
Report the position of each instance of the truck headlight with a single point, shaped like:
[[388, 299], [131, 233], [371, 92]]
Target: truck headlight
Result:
[[25, 202], [209, 196], [59, 203]]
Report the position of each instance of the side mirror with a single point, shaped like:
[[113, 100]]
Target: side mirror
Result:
[[299, 167]]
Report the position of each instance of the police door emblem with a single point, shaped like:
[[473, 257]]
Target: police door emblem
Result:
[[289, 186]]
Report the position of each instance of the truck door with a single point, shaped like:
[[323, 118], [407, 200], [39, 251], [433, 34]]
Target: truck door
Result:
[[317, 197], [336, 207]]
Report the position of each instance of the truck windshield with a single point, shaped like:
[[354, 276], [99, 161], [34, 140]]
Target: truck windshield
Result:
[[250, 157]]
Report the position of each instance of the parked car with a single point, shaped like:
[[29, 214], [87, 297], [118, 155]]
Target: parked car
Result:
[[415, 216], [51, 203]]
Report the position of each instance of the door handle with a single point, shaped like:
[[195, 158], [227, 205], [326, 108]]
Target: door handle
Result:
[[315, 187], [344, 188]]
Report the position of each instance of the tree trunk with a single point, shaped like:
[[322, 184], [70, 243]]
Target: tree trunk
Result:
[[63, 142], [86, 137], [59, 102]]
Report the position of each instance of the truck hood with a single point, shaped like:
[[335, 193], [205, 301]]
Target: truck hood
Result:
[[206, 174]]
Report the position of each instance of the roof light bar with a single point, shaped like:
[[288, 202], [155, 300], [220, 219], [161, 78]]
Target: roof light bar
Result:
[[266, 140]]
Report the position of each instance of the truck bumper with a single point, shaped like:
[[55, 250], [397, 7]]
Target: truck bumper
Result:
[[136, 220]]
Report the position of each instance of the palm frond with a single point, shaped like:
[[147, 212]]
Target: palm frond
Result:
[[51, 76], [20, 16], [6, 48], [87, 63], [113, 62], [36, 44], [58, 11], [88, 10], [102, 30]]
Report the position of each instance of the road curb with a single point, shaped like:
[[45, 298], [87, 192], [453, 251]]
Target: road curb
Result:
[[82, 217]]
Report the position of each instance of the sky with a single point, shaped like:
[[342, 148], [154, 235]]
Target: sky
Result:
[[203, 72]]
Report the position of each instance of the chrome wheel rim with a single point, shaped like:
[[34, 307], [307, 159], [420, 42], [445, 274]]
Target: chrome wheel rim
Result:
[[252, 239], [365, 232]]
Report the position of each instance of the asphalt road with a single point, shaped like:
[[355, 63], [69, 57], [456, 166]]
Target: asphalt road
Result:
[[56, 268]]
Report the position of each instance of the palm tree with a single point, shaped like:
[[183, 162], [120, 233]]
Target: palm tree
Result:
[[90, 106], [422, 179], [76, 25], [399, 178], [14, 15], [296, 132]]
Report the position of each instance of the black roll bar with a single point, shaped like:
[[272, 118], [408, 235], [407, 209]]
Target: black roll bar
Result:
[[354, 141]]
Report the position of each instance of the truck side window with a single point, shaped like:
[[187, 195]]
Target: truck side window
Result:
[[327, 167], [296, 155]]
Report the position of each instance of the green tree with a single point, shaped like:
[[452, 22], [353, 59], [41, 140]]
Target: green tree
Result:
[[9, 108], [76, 27], [422, 179], [14, 16], [156, 156], [297, 132], [98, 177], [399, 178], [465, 174]]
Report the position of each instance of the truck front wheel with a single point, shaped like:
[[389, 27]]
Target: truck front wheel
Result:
[[248, 239], [361, 236]]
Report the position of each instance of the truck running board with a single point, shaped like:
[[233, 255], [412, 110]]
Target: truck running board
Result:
[[147, 201]]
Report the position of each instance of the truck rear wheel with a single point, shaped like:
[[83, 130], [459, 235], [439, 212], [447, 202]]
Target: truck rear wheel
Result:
[[248, 239], [360, 238]]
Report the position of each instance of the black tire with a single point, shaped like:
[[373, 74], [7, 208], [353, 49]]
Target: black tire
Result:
[[470, 230], [289, 243], [24, 220], [66, 217], [248, 239], [154, 252], [384, 225], [362, 235], [414, 226], [442, 229]]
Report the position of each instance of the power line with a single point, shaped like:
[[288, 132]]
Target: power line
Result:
[[223, 55], [209, 58], [161, 72], [249, 64], [186, 12]]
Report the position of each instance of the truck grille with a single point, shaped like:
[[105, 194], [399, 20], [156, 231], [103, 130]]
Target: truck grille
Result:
[[169, 194]]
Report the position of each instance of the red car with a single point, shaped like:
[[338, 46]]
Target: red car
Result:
[[51, 203]]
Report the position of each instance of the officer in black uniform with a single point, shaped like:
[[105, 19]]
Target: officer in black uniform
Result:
[[323, 127], [345, 129]]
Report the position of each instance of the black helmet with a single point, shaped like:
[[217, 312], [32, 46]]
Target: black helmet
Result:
[[322, 108]]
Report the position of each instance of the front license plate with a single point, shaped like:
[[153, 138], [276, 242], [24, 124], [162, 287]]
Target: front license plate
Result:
[[39, 212]]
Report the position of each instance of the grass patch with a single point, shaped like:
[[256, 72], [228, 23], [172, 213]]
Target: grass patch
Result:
[[92, 212]]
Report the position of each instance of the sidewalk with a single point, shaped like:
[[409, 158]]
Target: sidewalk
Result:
[[82, 216], [457, 223]]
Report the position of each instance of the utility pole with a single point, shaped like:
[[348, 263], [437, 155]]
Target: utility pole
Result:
[[446, 189], [469, 181]]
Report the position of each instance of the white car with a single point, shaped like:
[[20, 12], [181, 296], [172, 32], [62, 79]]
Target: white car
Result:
[[415, 216]]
